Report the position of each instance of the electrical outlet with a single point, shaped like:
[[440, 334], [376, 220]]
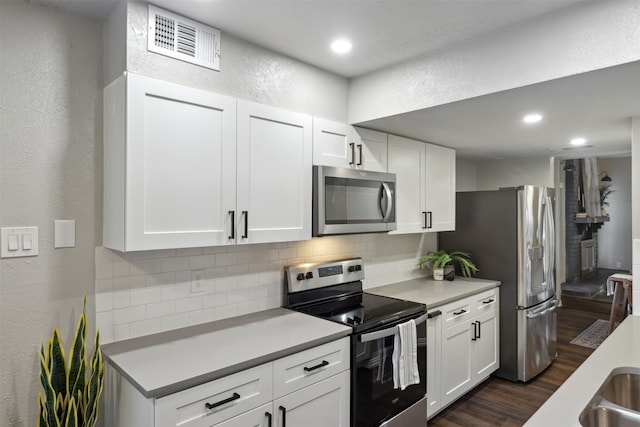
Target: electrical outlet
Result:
[[197, 281]]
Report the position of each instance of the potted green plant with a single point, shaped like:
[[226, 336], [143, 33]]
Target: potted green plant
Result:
[[69, 398], [605, 191], [442, 260]]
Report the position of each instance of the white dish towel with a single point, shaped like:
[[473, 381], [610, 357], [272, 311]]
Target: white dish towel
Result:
[[405, 356], [611, 284]]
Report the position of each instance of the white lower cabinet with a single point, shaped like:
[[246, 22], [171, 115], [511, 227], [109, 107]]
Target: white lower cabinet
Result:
[[309, 388], [465, 351]]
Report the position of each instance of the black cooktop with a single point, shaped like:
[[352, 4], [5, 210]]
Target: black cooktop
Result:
[[363, 311]]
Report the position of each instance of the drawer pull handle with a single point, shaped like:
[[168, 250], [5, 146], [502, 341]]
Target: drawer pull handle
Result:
[[235, 396], [313, 368], [268, 415], [457, 313], [284, 415], [433, 314], [489, 301]]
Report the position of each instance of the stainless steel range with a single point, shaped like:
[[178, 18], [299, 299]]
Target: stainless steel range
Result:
[[333, 291]]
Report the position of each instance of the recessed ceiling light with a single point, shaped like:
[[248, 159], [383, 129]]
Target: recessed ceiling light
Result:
[[532, 118], [578, 141], [341, 46]]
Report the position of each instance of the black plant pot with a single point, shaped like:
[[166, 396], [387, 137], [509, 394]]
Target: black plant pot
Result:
[[449, 272]]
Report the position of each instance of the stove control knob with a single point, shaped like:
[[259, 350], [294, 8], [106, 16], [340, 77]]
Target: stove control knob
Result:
[[309, 275], [358, 267], [300, 276], [352, 268]]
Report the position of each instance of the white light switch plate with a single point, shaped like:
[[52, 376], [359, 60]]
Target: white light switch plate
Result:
[[10, 236], [64, 233]]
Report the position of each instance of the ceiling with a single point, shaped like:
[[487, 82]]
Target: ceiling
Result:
[[596, 105]]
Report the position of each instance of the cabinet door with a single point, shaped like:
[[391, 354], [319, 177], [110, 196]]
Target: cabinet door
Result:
[[372, 149], [457, 373], [322, 404], [486, 358], [180, 166], [406, 159], [434, 362], [274, 174], [334, 144], [440, 187], [258, 417]]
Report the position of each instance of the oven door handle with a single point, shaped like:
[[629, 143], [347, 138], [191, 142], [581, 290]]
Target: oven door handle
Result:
[[372, 336]]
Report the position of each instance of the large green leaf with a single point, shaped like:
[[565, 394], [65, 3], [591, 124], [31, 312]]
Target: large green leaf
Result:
[[78, 361], [42, 412], [72, 416], [49, 394], [95, 384], [57, 364]]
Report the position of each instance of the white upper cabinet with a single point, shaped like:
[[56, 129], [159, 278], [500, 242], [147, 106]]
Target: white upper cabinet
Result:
[[169, 165], [274, 174], [341, 145], [440, 186], [406, 159], [425, 185], [183, 168]]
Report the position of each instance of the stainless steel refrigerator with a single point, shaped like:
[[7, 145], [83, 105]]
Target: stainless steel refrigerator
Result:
[[510, 235]]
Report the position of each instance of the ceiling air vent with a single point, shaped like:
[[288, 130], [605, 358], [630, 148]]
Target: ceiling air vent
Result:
[[183, 39]]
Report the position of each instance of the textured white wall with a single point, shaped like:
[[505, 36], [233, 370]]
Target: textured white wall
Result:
[[570, 41], [614, 238], [466, 175], [50, 168], [494, 174], [246, 72]]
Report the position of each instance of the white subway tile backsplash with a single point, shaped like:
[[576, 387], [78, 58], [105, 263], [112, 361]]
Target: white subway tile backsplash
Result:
[[146, 296], [161, 309], [204, 316], [104, 302], [175, 264], [129, 282], [175, 292], [145, 266], [146, 327], [226, 259], [214, 300], [145, 292], [189, 304], [129, 315]]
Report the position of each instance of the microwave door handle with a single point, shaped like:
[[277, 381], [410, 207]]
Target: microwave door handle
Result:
[[387, 210]]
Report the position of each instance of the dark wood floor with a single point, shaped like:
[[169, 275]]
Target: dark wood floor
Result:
[[498, 402]]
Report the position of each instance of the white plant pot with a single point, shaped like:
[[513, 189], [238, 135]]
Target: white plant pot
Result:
[[438, 273]]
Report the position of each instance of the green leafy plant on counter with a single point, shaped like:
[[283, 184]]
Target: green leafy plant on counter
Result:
[[68, 398], [441, 258]]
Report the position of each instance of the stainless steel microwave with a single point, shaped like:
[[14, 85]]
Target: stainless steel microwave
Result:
[[352, 201]]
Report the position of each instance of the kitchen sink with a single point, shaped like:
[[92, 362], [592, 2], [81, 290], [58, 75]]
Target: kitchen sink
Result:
[[617, 401]]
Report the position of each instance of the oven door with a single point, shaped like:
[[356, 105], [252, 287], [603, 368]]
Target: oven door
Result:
[[374, 400]]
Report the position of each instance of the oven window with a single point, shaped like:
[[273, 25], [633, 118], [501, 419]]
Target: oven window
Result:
[[351, 201], [372, 379]]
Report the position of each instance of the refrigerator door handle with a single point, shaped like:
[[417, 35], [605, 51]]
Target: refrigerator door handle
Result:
[[539, 313], [548, 233]]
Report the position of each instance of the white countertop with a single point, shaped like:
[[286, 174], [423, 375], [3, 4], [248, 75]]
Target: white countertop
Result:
[[434, 293], [621, 348], [171, 361]]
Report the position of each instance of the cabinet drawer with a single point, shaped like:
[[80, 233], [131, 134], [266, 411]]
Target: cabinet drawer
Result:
[[457, 312], [242, 392], [299, 370], [486, 301]]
